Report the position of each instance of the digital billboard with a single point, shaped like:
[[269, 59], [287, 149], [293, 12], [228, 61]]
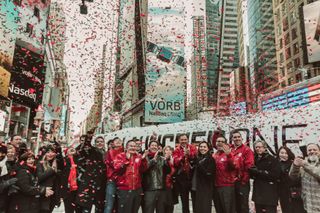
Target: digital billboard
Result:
[[295, 98], [312, 30], [165, 63], [27, 77], [8, 19]]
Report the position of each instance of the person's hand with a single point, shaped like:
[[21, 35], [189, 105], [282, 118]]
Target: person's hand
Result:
[[128, 155], [298, 161], [10, 182], [226, 149], [49, 192], [146, 152], [186, 152]]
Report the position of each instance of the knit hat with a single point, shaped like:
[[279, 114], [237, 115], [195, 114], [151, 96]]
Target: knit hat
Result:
[[25, 156], [49, 148]]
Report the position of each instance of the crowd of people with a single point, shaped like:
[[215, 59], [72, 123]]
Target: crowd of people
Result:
[[114, 177]]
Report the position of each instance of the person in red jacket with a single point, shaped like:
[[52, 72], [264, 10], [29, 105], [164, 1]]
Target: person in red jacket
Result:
[[129, 167], [183, 156], [111, 188], [244, 155], [226, 170]]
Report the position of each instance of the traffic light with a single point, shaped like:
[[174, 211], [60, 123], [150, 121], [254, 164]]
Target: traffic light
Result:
[[83, 9]]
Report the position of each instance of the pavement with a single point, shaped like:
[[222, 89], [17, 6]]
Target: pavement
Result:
[[177, 209]]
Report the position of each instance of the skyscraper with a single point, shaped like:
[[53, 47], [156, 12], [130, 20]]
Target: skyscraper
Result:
[[262, 53]]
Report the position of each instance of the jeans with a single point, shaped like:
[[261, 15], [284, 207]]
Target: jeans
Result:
[[242, 197], [110, 196], [129, 201]]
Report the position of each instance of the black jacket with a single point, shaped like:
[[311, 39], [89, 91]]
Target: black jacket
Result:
[[27, 199], [203, 182], [91, 178], [155, 176], [266, 174], [49, 178]]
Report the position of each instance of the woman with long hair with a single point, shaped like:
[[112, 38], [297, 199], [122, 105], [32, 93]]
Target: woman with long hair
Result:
[[47, 172], [289, 190], [27, 200], [203, 179]]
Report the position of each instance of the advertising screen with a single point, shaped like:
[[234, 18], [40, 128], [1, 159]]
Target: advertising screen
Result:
[[8, 30], [166, 72], [27, 77], [312, 30]]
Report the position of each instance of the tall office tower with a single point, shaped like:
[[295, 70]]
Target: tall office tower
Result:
[[291, 51], [262, 53], [228, 58], [199, 65], [213, 31]]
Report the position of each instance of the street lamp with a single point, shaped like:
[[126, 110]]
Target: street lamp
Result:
[[39, 120]]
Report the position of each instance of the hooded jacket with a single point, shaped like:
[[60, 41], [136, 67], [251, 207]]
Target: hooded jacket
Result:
[[129, 171]]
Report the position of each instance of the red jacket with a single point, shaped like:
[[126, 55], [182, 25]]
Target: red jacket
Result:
[[245, 158], [129, 171], [109, 161], [181, 161], [169, 181], [226, 169]]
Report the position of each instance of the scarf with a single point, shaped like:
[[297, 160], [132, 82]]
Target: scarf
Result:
[[72, 179], [3, 167]]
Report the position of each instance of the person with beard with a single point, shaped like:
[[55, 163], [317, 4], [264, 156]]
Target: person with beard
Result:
[[154, 179], [129, 167], [289, 190], [309, 172], [27, 200], [69, 185], [111, 188], [203, 179], [91, 173], [5, 179], [266, 174], [183, 156], [48, 171]]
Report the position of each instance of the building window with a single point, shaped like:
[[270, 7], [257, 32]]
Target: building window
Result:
[[282, 71], [293, 17], [279, 30], [289, 67], [285, 24], [36, 12], [286, 39], [290, 81], [288, 53], [29, 29], [44, 1], [296, 48], [283, 84], [281, 58], [298, 77], [294, 33], [297, 62], [280, 43]]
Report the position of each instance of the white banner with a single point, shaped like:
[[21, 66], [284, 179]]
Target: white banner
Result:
[[295, 128]]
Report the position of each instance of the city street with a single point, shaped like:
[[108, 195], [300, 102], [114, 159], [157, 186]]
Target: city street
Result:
[[218, 99]]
